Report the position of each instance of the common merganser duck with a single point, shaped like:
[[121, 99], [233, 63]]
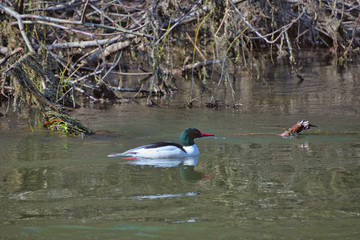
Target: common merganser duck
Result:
[[167, 149], [297, 128]]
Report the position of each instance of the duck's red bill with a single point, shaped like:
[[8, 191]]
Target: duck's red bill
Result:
[[131, 158], [206, 135]]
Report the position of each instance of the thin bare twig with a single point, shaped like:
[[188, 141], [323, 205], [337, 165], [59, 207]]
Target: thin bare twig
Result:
[[82, 19], [197, 49], [2, 61]]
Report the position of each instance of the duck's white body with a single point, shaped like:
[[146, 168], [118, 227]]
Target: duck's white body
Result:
[[167, 149]]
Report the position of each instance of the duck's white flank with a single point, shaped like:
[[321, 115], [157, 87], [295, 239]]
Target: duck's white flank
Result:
[[159, 152]]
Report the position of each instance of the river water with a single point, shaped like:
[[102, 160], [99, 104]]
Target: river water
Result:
[[256, 186]]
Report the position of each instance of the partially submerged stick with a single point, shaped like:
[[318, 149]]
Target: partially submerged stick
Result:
[[291, 132], [297, 128]]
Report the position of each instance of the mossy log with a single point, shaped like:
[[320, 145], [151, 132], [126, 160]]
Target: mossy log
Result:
[[32, 76]]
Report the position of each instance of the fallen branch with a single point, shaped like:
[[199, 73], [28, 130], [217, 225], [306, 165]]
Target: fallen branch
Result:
[[83, 44], [195, 65], [16, 51], [102, 53]]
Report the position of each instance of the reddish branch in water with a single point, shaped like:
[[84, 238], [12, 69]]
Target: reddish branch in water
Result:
[[297, 128], [49, 123], [291, 132]]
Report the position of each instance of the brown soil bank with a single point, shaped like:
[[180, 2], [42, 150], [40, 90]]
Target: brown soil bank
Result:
[[112, 50]]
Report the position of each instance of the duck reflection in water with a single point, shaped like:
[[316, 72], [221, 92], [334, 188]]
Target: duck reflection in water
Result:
[[188, 172], [185, 165]]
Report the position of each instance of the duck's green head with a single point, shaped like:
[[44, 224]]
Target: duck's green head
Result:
[[187, 137]]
